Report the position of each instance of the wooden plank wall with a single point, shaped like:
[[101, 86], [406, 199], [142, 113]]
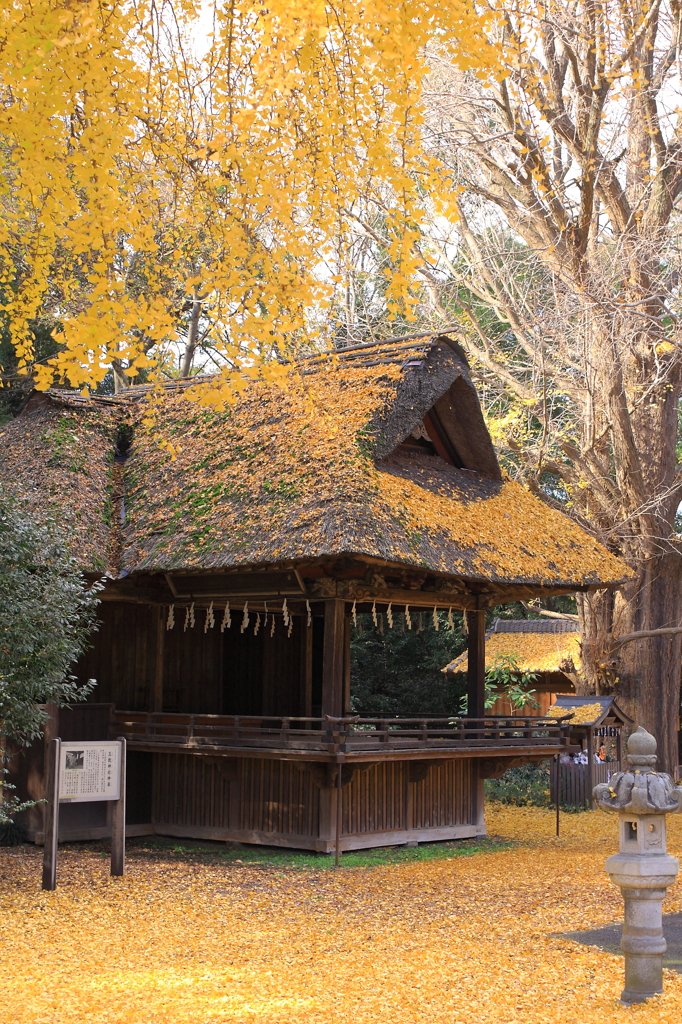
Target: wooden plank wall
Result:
[[270, 796], [123, 656], [444, 797], [203, 672], [276, 796], [193, 668], [189, 790], [245, 793], [263, 672], [282, 669], [375, 801], [575, 781]]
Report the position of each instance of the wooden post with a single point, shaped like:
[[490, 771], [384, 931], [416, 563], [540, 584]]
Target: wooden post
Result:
[[333, 660], [590, 768], [346, 666], [476, 663], [327, 830], [51, 816], [477, 798], [339, 811], [50, 732], [557, 788], [157, 696], [118, 821]]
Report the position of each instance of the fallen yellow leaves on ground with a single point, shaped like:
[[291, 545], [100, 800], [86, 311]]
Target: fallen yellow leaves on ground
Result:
[[464, 940]]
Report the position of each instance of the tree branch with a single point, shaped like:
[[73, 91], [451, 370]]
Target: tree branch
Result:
[[627, 638], [550, 615]]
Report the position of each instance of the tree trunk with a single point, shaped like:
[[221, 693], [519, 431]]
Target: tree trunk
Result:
[[120, 378], [192, 338], [643, 674]]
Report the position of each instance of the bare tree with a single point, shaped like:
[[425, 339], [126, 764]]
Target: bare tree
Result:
[[562, 267]]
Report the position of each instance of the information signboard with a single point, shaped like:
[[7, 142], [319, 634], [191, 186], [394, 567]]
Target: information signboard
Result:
[[90, 771]]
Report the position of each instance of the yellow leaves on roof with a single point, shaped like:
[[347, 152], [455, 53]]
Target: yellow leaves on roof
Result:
[[512, 533], [584, 714], [289, 472], [535, 652]]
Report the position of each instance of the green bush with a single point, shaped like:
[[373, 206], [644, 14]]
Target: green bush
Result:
[[527, 786]]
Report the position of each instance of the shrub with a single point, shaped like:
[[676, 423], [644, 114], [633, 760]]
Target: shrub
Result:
[[527, 786]]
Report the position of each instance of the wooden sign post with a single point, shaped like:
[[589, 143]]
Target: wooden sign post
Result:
[[79, 773]]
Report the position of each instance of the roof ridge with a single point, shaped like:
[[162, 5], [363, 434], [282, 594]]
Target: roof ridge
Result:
[[535, 626]]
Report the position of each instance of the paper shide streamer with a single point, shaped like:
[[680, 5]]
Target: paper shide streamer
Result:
[[257, 625], [310, 614], [227, 619], [408, 620], [436, 620], [374, 613], [389, 616], [210, 619], [170, 621], [189, 617], [245, 617], [353, 614]]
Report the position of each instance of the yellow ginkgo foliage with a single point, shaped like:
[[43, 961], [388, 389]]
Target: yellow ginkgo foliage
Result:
[[156, 157]]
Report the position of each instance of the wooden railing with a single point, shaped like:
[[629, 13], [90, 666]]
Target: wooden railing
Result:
[[347, 735]]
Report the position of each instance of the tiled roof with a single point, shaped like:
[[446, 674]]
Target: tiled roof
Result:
[[534, 626]]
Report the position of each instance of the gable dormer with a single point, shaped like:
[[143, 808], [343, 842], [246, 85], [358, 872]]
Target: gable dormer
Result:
[[436, 411]]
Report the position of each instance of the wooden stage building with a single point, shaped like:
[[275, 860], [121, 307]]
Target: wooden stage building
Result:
[[237, 547]]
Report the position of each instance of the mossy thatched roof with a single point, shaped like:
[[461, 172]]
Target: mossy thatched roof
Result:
[[312, 467]]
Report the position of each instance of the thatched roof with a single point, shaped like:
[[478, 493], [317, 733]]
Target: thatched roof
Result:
[[538, 645], [381, 452]]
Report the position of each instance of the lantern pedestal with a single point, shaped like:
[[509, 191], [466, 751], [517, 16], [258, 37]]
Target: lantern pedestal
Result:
[[642, 870], [643, 881]]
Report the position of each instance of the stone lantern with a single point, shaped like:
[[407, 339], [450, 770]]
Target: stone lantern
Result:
[[643, 870]]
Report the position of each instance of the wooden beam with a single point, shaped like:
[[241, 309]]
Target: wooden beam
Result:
[[334, 657], [346, 666], [476, 664]]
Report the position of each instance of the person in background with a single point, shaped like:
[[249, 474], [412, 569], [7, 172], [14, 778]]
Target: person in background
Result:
[[601, 753]]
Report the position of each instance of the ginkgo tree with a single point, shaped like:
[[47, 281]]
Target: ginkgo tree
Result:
[[155, 154]]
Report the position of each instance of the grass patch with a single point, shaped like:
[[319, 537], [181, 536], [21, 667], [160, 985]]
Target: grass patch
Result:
[[197, 851]]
